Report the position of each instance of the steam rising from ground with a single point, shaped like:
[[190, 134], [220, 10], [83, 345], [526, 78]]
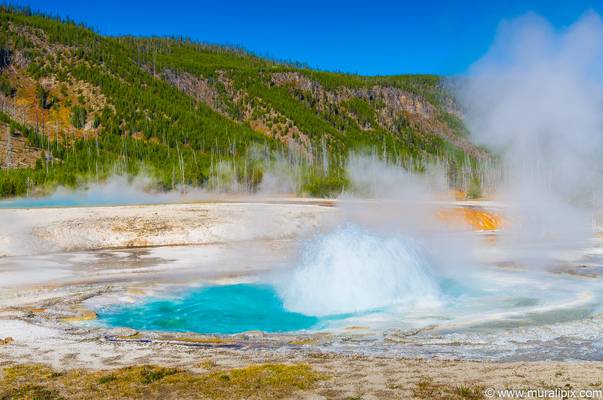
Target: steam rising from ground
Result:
[[536, 98], [278, 178], [117, 190]]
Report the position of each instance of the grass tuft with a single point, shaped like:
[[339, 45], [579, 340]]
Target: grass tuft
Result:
[[426, 388]]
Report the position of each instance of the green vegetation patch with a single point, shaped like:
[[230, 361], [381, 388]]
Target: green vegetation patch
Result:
[[258, 381]]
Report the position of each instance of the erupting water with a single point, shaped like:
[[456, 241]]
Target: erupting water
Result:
[[351, 270]]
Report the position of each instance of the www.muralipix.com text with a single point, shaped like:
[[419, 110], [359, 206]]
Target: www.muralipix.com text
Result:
[[557, 393]]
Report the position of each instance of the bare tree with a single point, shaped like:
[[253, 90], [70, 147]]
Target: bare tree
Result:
[[9, 149]]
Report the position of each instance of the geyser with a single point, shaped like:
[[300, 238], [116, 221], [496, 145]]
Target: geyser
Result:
[[352, 270]]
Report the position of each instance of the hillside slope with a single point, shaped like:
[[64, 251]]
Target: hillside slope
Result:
[[77, 106]]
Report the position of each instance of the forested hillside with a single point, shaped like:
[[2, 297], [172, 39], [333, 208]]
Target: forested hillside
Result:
[[76, 106]]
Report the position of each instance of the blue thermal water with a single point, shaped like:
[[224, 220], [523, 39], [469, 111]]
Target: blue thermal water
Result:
[[116, 191], [42, 202], [74, 199], [214, 309]]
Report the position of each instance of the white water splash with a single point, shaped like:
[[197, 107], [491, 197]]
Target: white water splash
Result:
[[352, 270]]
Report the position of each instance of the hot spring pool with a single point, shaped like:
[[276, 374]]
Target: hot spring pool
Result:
[[220, 309], [386, 293], [237, 308]]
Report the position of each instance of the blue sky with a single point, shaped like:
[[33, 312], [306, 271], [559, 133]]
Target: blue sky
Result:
[[367, 37]]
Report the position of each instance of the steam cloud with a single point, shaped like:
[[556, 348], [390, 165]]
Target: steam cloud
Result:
[[536, 99]]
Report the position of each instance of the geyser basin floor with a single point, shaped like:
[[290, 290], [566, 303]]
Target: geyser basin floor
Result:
[[511, 315]]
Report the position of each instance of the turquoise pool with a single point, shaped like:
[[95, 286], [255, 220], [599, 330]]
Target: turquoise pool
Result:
[[223, 309]]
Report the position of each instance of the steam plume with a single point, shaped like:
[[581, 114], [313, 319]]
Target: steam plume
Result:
[[536, 99]]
